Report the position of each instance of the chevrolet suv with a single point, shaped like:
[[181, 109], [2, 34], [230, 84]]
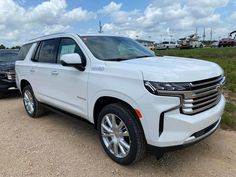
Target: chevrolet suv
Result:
[[136, 100]]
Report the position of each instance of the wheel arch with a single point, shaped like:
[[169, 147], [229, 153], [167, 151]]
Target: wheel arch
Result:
[[103, 101], [23, 84]]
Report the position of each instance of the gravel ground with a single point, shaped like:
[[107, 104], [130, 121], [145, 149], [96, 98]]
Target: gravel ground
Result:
[[56, 145]]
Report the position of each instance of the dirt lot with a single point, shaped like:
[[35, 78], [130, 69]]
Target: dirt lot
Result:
[[56, 145]]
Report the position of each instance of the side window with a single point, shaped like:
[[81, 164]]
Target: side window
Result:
[[47, 51], [68, 46], [23, 51]]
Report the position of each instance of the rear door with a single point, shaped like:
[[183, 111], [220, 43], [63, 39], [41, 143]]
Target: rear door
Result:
[[45, 60]]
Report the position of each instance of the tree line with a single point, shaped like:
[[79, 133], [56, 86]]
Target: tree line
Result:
[[14, 47]]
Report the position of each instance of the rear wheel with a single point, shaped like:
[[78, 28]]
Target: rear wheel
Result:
[[32, 106], [120, 134]]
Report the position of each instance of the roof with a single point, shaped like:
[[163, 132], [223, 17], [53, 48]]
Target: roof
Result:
[[56, 35]]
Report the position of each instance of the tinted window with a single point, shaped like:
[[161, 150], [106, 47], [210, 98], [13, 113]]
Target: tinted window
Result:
[[68, 46], [47, 51], [23, 51]]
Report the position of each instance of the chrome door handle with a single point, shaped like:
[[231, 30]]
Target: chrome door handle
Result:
[[32, 70], [54, 73]]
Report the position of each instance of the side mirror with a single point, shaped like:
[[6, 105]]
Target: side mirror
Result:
[[73, 60]]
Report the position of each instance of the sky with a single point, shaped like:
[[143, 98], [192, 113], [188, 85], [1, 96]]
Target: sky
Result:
[[157, 20]]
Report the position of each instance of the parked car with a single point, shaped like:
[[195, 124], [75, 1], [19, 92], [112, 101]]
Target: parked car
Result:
[[215, 44], [189, 44], [135, 100], [7, 70], [167, 45], [226, 42]]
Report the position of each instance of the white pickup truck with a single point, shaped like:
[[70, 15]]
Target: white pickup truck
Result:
[[167, 45], [136, 100]]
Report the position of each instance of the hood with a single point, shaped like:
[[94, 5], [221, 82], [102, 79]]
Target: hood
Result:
[[5, 66], [174, 69]]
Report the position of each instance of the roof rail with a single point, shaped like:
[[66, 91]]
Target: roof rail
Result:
[[46, 36]]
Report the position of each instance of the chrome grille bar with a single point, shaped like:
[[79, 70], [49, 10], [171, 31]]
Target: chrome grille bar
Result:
[[204, 95]]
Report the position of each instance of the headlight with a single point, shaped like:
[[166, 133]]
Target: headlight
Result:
[[155, 87], [11, 75]]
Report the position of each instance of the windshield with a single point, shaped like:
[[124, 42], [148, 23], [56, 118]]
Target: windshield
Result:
[[8, 56], [115, 48]]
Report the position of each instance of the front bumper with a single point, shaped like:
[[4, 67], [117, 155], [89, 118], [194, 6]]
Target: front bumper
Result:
[[178, 129], [206, 132], [7, 85]]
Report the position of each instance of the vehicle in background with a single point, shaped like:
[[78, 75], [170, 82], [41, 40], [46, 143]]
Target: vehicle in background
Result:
[[135, 99], [191, 41], [7, 70], [147, 43], [215, 44], [167, 45], [230, 35], [226, 42]]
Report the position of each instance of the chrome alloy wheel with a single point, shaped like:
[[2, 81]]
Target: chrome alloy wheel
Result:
[[29, 102], [115, 135]]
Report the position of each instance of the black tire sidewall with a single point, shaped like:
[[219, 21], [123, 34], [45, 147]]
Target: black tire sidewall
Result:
[[132, 127]]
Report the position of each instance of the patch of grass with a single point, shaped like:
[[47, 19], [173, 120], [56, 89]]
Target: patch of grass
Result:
[[229, 117], [226, 58]]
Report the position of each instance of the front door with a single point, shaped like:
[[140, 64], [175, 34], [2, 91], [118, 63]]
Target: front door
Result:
[[70, 84]]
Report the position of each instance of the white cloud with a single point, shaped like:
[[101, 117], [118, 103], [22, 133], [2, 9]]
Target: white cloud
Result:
[[18, 23], [209, 3], [233, 16], [77, 14], [162, 18], [158, 18], [110, 8]]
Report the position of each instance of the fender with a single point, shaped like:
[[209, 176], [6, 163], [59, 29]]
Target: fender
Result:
[[109, 93]]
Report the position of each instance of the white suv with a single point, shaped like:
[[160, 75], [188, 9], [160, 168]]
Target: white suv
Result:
[[135, 99]]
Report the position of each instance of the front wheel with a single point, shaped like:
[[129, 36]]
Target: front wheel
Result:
[[121, 134], [33, 108]]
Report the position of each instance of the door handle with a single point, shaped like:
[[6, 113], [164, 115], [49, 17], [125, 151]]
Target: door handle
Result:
[[32, 70], [54, 73]]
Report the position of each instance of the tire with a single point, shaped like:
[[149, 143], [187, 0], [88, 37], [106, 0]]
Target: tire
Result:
[[33, 107], [131, 128]]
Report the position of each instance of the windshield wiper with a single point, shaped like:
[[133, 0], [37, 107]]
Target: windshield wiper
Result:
[[116, 59], [143, 56]]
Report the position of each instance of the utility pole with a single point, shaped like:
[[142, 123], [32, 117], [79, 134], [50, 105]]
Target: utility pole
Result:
[[211, 34], [204, 34], [100, 27]]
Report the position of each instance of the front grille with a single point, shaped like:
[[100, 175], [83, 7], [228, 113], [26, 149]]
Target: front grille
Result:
[[204, 95]]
